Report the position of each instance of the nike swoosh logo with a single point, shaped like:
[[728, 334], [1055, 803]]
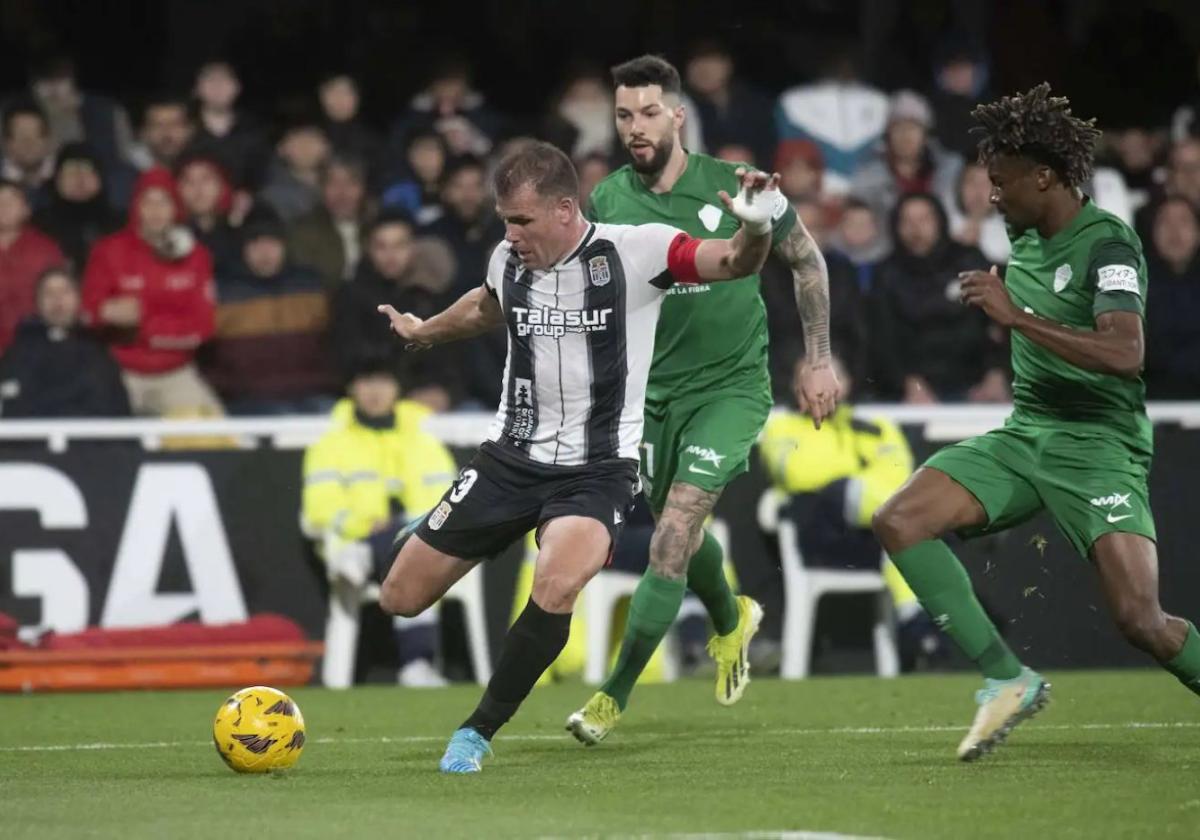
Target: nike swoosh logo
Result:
[[695, 469], [1114, 519]]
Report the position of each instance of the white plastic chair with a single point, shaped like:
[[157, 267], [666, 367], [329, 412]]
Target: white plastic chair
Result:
[[803, 588], [347, 596], [601, 596]]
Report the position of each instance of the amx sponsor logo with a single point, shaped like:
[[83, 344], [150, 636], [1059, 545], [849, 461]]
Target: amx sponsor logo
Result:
[[556, 323], [706, 454], [1114, 501]]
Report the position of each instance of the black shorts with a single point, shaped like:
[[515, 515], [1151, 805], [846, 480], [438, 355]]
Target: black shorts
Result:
[[499, 497]]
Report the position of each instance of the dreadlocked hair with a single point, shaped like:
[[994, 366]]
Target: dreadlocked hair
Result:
[[1041, 127]]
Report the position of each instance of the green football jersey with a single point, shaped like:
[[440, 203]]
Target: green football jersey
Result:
[[711, 336], [1092, 266]]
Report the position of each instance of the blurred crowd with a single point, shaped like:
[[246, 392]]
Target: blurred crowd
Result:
[[187, 257]]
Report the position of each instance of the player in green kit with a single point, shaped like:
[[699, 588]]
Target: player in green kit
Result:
[[709, 391], [1078, 443]]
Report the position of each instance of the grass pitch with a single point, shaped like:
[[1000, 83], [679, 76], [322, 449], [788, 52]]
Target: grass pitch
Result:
[[1115, 755]]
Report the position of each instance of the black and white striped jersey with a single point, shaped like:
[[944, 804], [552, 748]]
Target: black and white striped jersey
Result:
[[580, 341]]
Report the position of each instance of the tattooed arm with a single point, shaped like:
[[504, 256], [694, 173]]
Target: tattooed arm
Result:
[[819, 389]]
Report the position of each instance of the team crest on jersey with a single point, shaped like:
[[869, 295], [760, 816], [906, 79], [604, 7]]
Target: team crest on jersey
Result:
[[598, 269], [438, 518], [710, 217], [1062, 276]]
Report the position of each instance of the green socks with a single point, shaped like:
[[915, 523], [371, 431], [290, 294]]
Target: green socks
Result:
[[944, 589], [652, 610], [706, 577], [1186, 664]]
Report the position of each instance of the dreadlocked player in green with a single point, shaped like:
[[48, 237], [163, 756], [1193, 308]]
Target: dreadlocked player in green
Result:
[[709, 391], [1078, 443]]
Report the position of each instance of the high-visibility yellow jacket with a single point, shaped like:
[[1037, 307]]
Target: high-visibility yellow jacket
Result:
[[801, 459], [353, 473]]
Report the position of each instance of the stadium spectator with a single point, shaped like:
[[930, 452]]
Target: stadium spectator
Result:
[[859, 239], [413, 276], [469, 228], [56, 368], [468, 223], [592, 170], [1185, 122], [413, 189], [165, 132], [584, 115], [292, 185], [974, 222], [269, 352], [841, 114], [349, 135], [24, 254], [1108, 189], [735, 153], [76, 116], [329, 238], [1183, 170], [1138, 154], [207, 196], [730, 112], [909, 159], [375, 470], [451, 108], [830, 481], [961, 78], [926, 346], [77, 212], [800, 169], [1173, 339], [28, 150], [149, 288], [225, 133], [816, 218]]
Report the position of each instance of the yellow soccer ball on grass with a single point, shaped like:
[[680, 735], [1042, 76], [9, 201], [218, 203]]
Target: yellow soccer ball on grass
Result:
[[259, 729]]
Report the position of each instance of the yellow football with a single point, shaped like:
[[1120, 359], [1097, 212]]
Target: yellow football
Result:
[[259, 729]]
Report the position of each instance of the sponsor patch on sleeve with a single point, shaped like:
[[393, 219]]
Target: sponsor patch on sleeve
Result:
[[1117, 278]]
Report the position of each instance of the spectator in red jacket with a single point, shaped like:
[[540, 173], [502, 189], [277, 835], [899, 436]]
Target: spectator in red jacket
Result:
[[149, 287], [24, 254]]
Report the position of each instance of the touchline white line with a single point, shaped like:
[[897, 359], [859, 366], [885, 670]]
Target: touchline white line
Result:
[[417, 739]]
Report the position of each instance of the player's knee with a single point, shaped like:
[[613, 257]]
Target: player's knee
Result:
[[397, 599], [1142, 625], [556, 591], [895, 526]]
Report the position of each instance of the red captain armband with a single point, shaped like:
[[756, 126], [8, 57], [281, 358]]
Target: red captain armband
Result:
[[681, 259]]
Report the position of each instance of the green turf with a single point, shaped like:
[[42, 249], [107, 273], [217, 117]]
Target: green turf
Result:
[[678, 764]]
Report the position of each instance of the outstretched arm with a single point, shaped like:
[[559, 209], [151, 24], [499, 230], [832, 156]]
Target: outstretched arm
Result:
[[746, 251], [473, 314]]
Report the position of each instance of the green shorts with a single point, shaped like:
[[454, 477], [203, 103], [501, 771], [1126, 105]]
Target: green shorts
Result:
[[1090, 484], [704, 441]]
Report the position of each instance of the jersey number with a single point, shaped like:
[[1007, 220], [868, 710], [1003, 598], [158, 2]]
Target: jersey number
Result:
[[463, 486]]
